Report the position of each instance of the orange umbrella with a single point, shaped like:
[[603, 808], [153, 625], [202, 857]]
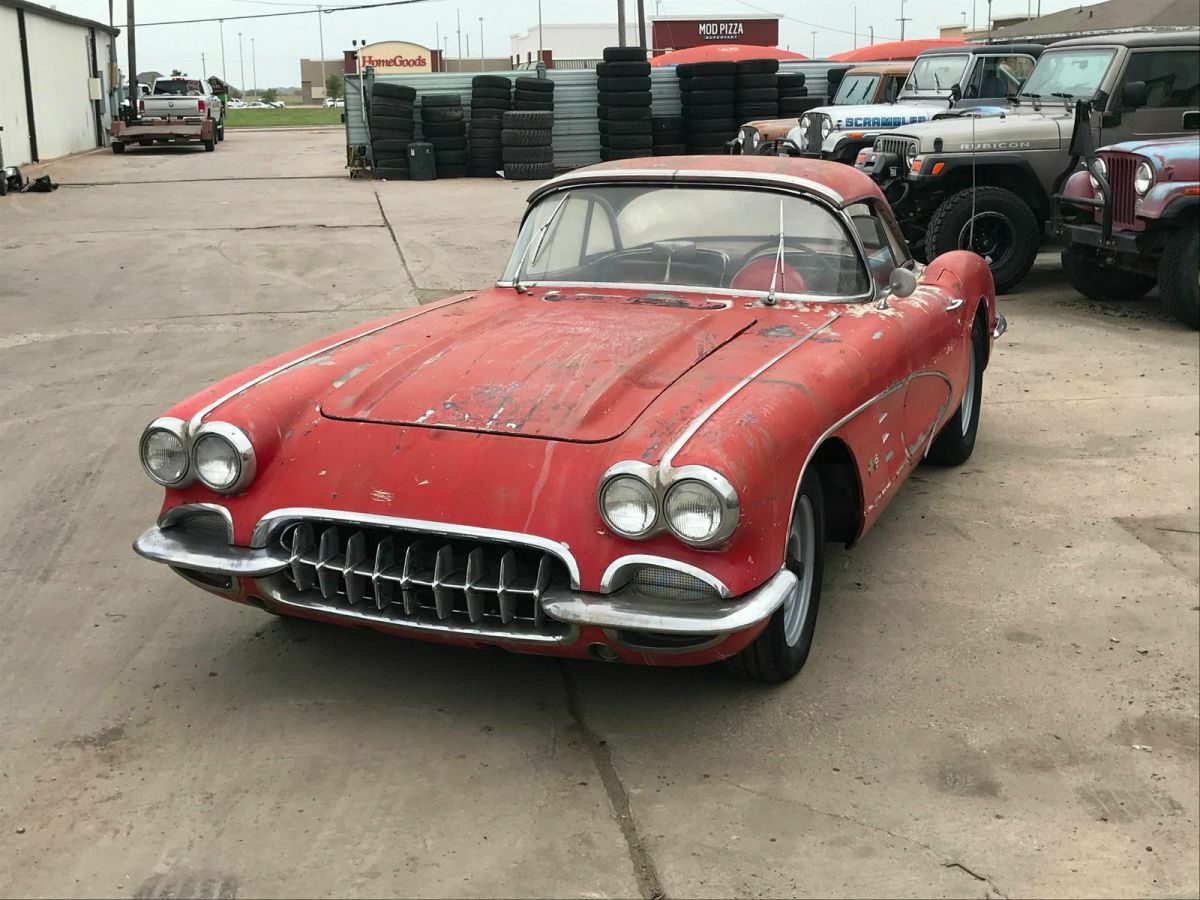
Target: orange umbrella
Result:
[[718, 52], [900, 50]]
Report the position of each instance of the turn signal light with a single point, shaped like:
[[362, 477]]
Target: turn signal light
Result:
[[862, 156], [916, 165], [937, 168], [141, 106], [200, 105]]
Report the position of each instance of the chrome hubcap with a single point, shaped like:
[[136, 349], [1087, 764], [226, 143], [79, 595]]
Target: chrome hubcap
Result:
[[968, 400], [801, 551]]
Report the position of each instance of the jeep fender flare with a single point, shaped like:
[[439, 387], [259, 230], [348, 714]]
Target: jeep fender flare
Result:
[[956, 164]]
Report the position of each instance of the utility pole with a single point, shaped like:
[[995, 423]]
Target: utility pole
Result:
[[481, 43], [242, 63], [855, 27], [458, 19], [203, 66], [541, 54], [136, 95], [642, 23], [872, 27], [437, 41], [254, 67], [321, 35], [902, 19], [620, 23], [221, 25], [460, 68], [814, 50]]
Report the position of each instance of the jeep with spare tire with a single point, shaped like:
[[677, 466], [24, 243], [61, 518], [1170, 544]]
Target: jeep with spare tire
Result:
[[987, 183]]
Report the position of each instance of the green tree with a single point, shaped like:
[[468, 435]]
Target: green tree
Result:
[[333, 86], [175, 73], [270, 95]]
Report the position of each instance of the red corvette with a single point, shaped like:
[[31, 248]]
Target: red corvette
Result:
[[693, 373]]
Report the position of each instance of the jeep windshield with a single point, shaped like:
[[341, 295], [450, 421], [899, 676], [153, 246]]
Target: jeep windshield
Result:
[[715, 240], [856, 89], [1068, 73], [936, 74]]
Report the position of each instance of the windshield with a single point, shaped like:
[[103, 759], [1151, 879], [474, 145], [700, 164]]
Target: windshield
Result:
[[936, 74], [856, 89], [1069, 73], [698, 236]]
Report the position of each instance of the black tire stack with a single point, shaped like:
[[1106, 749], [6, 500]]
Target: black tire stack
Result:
[[491, 98], [623, 83], [392, 126], [707, 95], [527, 142], [534, 94], [442, 126], [757, 90], [792, 94], [668, 135]]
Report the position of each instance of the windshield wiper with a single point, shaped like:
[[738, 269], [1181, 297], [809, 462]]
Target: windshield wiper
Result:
[[1064, 96], [535, 244], [770, 301]]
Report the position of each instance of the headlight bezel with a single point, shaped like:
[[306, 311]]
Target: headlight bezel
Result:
[[1143, 165], [238, 441], [911, 152], [1102, 168], [178, 429], [661, 484], [826, 127]]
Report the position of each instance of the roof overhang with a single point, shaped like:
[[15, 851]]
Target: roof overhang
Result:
[[58, 16]]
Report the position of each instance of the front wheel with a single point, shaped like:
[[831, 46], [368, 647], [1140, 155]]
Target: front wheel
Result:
[[1179, 275], [1099, 280], [782, 649], [210, 144], [956, 441], [992, 222], [118, 147]]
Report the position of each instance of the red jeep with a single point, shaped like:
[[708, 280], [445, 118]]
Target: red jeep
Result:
[[1132, 221]]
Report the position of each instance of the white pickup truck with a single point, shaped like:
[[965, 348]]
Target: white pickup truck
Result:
[[176, 109]]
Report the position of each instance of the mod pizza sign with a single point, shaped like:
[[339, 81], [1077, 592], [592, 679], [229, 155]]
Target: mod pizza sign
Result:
[[395, 58], [722, 31], [681, 33]]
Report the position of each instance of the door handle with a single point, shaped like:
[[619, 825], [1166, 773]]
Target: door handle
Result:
[[954, 304]]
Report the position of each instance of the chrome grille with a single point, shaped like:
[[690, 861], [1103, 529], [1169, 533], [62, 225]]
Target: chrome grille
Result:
[[1120, 181], [812, 135], [413, 578], [899, 146]]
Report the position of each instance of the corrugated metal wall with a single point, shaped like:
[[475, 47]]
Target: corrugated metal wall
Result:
[[14, 139], [576, 134]]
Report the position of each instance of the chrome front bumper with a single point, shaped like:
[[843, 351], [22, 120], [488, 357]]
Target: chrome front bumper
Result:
[[624, 608]]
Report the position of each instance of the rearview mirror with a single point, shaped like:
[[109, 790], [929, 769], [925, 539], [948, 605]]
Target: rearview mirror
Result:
[[902, 283], [1134, 94]]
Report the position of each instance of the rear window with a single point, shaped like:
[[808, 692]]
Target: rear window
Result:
[[178, 86]]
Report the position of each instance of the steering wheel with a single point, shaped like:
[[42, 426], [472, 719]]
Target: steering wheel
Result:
[[754, 275]]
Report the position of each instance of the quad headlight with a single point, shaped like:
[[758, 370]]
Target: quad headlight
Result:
[[910, 153], [696, 504], [164, 453], [826, 126], [1101, 167], [1143, 178], [224, 457]]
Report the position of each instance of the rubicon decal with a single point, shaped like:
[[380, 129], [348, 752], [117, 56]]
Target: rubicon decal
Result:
[[996, 145]]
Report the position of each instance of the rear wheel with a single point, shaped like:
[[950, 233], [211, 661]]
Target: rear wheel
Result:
[[1179, 275], [210, 143], [782, 649], [1099, 280], [118, 147], [994, 223]]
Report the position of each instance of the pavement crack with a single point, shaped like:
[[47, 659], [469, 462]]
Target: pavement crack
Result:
[[618, 797], [975, 875], [396, 243]]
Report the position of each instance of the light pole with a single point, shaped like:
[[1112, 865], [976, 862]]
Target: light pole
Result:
[[321, 35], [814, 50], [481, 43], [620, 23], [224, 72], [203, 66], [902, 19], [540, 53], [437, 40], [872, 28], [242, 63], [458, 21], [254, 67], [856, 28]]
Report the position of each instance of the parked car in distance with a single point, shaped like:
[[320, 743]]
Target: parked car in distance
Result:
[[1135, 224], [983, 75], [987, 184], [176, 110], [876, 83], [331, 103], [693, 372]]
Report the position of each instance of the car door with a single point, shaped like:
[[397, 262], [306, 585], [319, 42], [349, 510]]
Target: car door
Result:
[[1172, 78]]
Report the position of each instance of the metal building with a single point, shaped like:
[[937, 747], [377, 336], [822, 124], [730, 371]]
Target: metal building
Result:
[[57, 82]]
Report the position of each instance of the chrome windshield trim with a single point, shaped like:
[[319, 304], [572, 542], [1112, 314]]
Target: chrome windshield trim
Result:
[[636, 612], [619, 572], [198, 417], [730, 177], [678, 444], [694, 289], [276, 519]]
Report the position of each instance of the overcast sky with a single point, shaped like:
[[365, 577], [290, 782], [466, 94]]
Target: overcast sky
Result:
[[280, 42]]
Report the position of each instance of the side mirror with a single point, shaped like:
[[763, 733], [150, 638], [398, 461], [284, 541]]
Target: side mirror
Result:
[[956, 93], [1191, 120], [1134, 94], [902, 283]]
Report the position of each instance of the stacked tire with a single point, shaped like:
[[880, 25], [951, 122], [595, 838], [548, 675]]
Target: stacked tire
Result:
[[391, 122], [668, 136], [527, 144], [792, 94], [534, 94], [443, 126], [707, 93], [491, 98], [757, 90], [623, 83]]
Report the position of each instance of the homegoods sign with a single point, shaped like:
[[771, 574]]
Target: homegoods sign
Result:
[[395, 58]]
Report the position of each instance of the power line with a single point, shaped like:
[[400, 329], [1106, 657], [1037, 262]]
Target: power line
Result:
[[311, 8], [797, 21]]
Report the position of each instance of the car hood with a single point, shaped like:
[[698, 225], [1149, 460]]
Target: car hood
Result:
[[993, 133], [578, 367]]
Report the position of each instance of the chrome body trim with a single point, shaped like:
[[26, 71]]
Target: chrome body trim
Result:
[[635, 612], [619, 572], [707, 292], [240, 443], [678, 444], [176, 548], [198, 417], [1001, 326], [269, 524]]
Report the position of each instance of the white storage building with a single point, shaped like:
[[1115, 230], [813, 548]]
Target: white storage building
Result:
[[57, 82]]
